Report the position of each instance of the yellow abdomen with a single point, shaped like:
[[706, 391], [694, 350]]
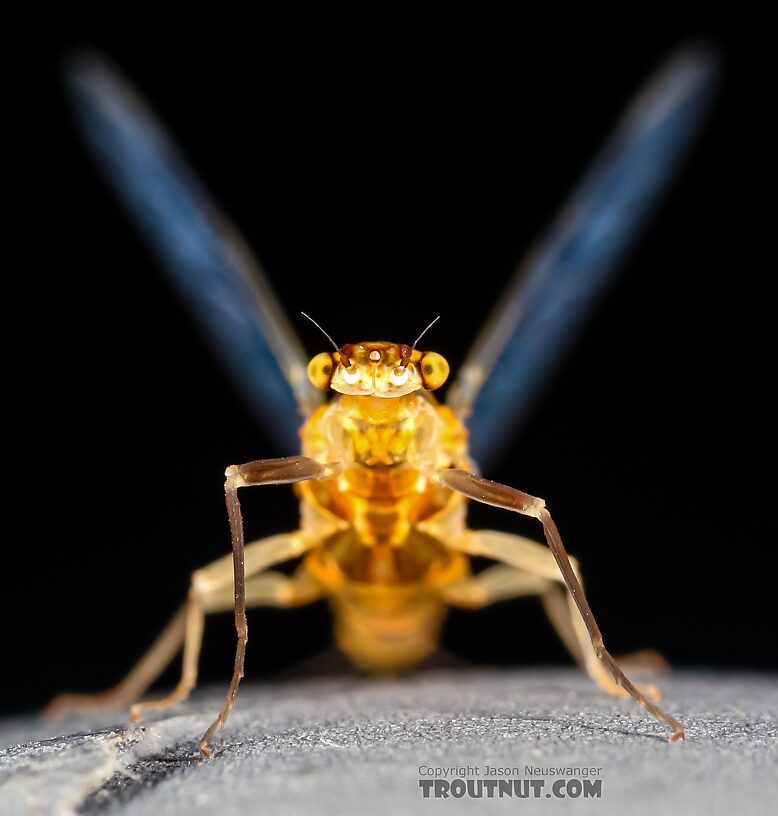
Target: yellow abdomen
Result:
[[386, 629], [387, 611]]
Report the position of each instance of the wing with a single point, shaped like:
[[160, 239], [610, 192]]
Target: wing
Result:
[[561, 279], [204, 257]]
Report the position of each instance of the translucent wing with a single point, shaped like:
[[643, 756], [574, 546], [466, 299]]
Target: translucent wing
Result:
[[559, 282], [201, 251]]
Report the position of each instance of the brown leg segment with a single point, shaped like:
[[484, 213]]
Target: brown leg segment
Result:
[[262, 472], [508, 498]]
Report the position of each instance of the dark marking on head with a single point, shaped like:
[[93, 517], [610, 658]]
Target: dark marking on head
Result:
[[346, 353], [405, 354]]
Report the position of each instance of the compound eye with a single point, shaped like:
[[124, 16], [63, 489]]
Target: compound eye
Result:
[[320, 370], [398, 376], [352, 374], [434, 370]]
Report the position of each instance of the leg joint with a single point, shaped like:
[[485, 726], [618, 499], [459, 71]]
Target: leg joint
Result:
[[199, 586], [233, 478]]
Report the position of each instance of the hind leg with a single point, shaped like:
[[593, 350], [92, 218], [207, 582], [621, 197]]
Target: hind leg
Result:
[[140, 677], [211, 590], [529, 568], [265, 589]]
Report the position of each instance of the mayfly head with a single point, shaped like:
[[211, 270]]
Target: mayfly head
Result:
[[378, 368]]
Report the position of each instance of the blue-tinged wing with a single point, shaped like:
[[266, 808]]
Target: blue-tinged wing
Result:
[[559, 282], [205, 258]]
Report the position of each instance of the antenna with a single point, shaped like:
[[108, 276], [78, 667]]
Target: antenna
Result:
[[334, 344], [423, 333]]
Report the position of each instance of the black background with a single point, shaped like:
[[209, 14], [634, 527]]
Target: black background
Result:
[[383, 180]]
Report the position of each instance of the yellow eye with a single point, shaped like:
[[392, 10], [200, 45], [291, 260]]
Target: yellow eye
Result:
[[434, 370], [398, 376], [320, 370], [352, 375]]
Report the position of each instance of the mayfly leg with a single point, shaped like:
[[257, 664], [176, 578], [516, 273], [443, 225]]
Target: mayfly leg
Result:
[[211, 590], [261, 472], [508, 498], [140, 677], [528, 568]]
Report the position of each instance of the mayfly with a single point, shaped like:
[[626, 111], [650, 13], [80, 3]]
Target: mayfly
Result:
[[385, 471]]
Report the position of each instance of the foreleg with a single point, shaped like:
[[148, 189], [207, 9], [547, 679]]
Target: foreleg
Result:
[[508, 498], [262, 472]]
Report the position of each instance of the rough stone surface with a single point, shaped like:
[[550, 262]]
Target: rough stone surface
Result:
[[355, 746]]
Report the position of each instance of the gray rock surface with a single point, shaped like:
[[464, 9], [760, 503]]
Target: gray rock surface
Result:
[[352, 746]]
